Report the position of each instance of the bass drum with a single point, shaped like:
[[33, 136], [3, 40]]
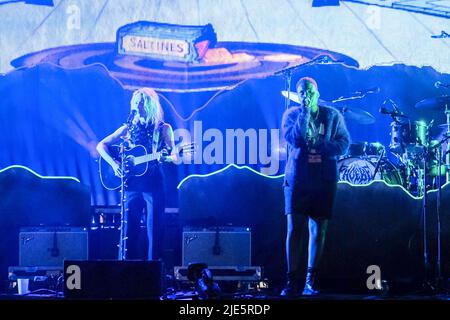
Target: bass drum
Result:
[[360, 170]]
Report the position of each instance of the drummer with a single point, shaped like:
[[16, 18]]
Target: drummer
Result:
[[315, 135]]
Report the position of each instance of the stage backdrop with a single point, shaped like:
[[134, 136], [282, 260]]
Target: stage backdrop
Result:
[[67, 74]]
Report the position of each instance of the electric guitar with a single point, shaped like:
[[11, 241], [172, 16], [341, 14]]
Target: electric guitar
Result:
[[137, 162]]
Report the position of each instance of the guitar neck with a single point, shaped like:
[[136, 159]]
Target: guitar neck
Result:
[[152, 156], [147, 158]]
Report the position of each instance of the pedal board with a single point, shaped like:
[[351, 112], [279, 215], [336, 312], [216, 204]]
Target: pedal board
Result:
[[225, 273]]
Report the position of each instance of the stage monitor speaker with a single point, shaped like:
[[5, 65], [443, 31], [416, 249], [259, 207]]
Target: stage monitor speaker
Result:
[[224, 246], [50, 246], [112, 279]]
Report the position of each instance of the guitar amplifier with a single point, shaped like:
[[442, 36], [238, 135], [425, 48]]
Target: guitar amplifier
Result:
[[50, 246], [224, 246]]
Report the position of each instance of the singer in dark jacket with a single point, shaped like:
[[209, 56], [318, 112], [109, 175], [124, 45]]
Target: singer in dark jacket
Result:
[[315, 136]]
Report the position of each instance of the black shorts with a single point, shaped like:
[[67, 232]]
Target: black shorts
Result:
[[316, 203]]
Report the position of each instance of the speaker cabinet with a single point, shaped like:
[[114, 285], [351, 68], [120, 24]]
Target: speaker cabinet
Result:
[[225, 246], [49, 246], [112, 279]]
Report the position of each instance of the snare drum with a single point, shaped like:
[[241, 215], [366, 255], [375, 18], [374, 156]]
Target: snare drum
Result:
[[357, 149], [360, 170], [362, 149], [408, 137], [375, 149]]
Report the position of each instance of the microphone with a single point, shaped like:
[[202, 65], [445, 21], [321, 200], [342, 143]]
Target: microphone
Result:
[[131, 116], [384, 110], [439, 84], [396, 109], [395, 113]]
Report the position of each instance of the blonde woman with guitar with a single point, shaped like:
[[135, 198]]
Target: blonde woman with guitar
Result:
[[145, 141]]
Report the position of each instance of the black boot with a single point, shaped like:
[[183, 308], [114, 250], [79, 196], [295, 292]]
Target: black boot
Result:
[[291, 287], [311, 283]]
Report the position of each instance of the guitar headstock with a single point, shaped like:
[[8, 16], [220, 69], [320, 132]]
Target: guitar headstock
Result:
[[189, 148]]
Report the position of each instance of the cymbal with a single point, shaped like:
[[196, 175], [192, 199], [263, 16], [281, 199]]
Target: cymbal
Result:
[[293, 96], [437, 103], [444, 128], [356, 114], [353, 114]]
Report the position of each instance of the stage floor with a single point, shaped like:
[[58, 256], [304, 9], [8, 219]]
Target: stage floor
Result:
[[191, 296]]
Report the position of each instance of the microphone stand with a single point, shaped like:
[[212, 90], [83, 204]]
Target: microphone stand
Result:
[[426, 155], [378, 164], [287, 87], [439, 278], [122, 255], [123, 213], [438, 217], [356, 95], [426, 283], [447, 157], [287, 73]]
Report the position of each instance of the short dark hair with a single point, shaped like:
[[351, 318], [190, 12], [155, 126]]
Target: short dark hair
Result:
[[309, 79]]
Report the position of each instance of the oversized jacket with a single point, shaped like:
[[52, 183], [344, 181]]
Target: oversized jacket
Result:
[[334, 142]]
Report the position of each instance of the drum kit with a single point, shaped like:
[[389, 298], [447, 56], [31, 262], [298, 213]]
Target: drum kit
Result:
[[418, 160]]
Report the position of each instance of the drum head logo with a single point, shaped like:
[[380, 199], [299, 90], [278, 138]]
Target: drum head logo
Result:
[[356, 171]]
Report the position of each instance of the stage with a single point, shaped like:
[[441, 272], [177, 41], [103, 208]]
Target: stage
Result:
[[253, 155]]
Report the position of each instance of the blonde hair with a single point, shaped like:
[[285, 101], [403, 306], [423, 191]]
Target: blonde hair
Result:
[[152, 105]]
